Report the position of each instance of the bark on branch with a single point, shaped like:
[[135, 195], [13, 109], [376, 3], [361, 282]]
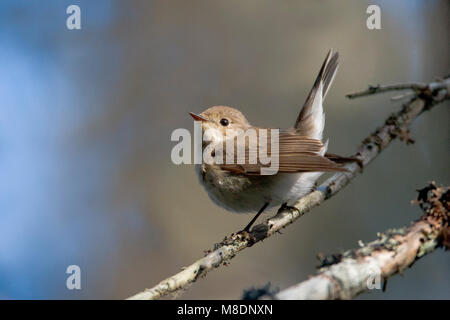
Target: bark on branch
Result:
[[346, 275], [396, 126]]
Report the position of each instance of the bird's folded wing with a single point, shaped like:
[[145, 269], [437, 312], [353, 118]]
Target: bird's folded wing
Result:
[[295, 154]]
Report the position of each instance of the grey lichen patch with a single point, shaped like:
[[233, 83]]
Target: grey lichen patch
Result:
[[426, 247], [391, 243], [434, 201], [374, 140], [397, 129]]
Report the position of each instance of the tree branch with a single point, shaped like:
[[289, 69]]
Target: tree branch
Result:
[[346, 275], [416, 87], [396, 126]]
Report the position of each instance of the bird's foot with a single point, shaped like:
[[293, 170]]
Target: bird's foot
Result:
[[285, 207]]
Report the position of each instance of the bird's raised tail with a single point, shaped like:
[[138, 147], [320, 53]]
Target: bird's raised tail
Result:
[[311, 119]]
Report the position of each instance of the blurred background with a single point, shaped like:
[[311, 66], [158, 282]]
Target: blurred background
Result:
[[86, 118]]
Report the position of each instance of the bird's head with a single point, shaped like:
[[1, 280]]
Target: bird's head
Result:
[[221, 122]]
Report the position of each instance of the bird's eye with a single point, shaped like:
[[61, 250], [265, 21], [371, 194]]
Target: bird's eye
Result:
[[224, 122]]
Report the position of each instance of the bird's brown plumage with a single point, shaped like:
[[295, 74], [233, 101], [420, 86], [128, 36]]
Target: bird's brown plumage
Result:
[[296, 153]]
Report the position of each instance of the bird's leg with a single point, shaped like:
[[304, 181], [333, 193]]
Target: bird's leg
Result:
[[247, 228]]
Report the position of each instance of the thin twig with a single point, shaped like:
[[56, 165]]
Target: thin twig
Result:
[[395, 126], [346, 275], [393, 87], [414, 86]]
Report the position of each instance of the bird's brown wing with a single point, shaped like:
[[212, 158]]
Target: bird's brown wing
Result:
[[296, 154]]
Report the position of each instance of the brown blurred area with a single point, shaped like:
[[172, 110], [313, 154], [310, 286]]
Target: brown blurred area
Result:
[[261, 57]]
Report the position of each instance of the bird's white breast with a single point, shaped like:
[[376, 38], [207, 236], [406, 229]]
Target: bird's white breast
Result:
[[240, 193]]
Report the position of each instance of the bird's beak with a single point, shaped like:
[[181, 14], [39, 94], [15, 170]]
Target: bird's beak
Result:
[[197, 117]]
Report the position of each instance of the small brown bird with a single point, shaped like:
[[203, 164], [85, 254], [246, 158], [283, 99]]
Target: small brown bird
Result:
[[302, 155]]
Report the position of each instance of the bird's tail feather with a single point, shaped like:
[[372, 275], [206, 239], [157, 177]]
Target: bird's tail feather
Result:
[[311, 119]]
